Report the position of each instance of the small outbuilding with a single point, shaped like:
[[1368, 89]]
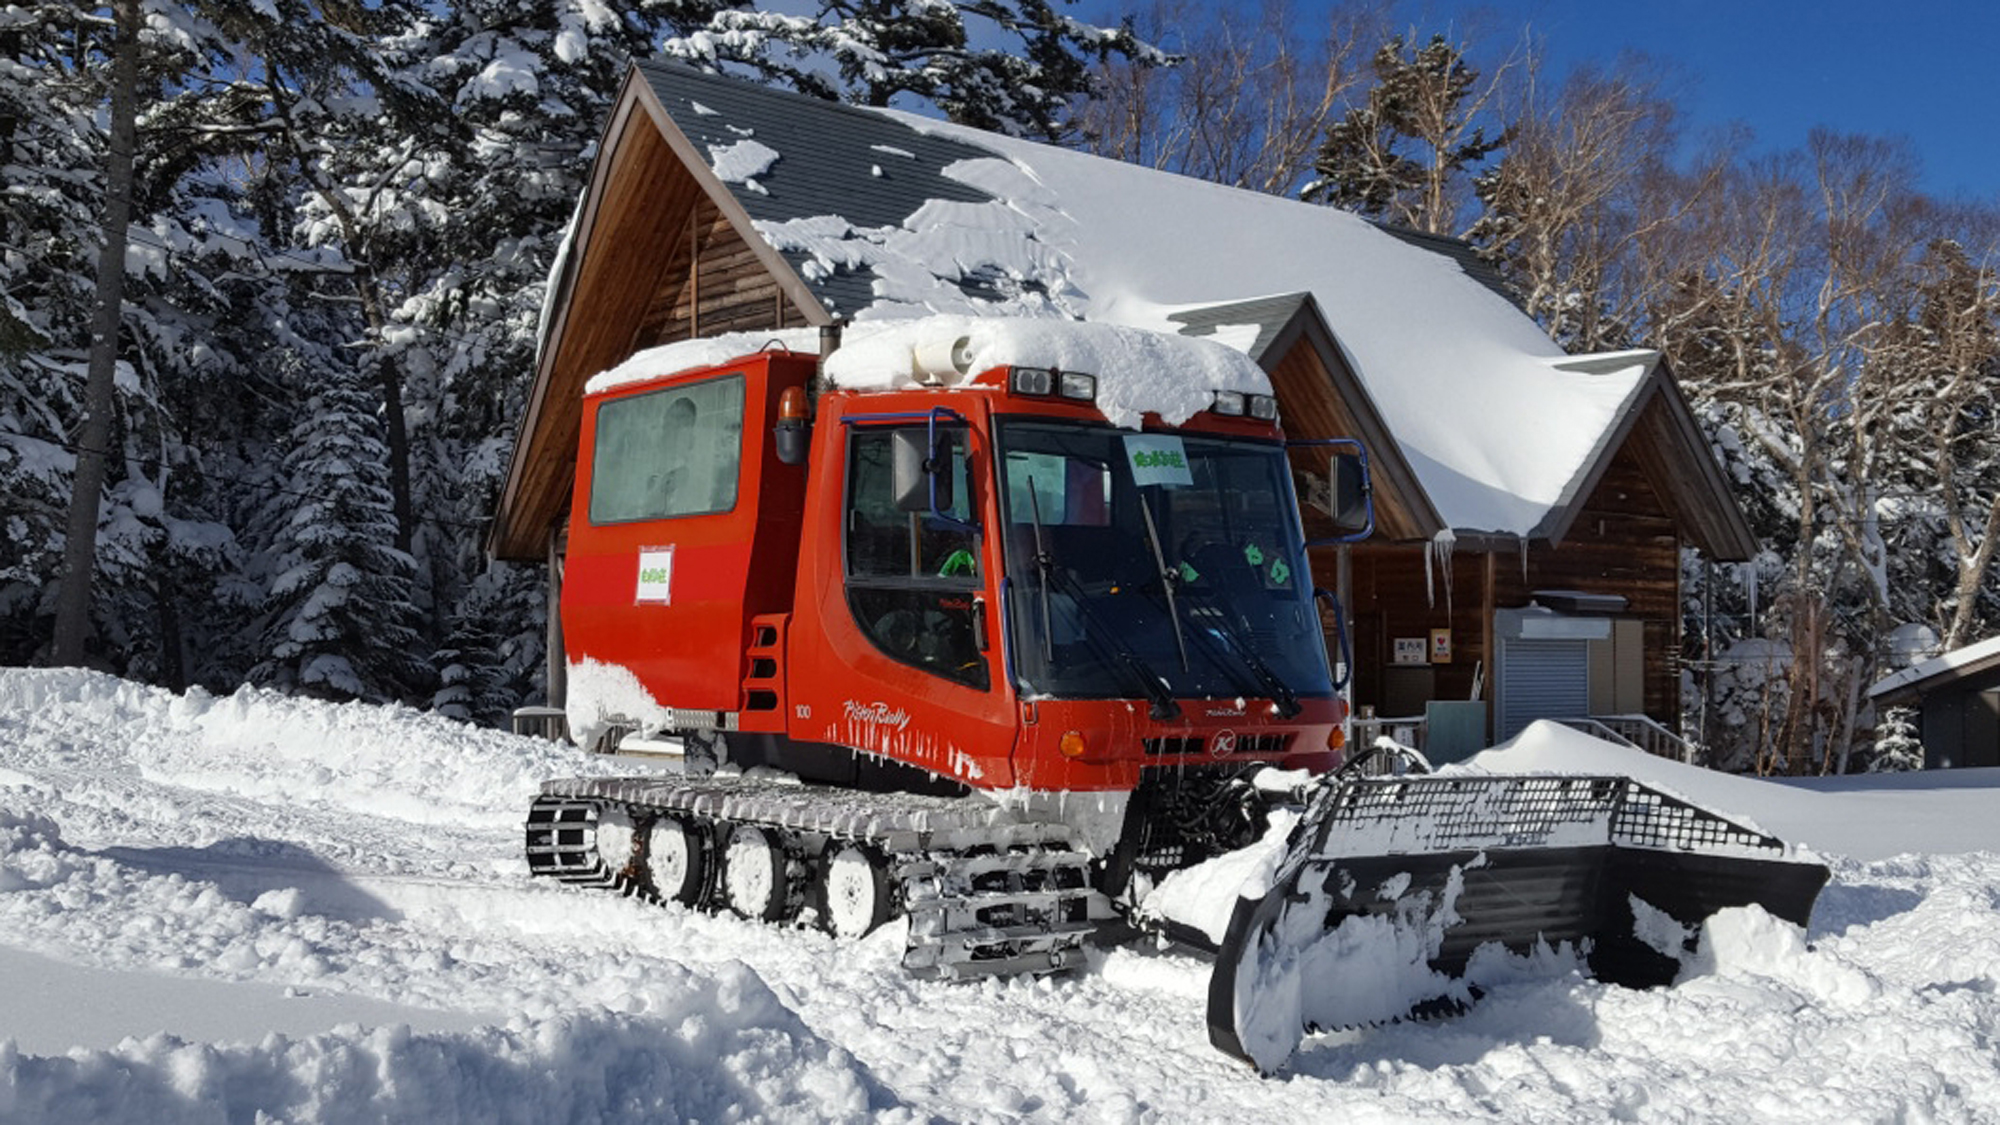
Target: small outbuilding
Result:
[[1957, 695]]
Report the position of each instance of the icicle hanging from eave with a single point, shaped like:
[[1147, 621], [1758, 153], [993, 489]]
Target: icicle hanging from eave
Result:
[[1439, 555]]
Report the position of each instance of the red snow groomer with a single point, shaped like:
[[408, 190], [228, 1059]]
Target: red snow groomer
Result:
[[939, 640]]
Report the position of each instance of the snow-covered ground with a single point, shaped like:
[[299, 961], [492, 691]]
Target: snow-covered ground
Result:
[[225, 908]]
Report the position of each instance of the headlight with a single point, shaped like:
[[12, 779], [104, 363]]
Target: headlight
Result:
[[1079, 386]]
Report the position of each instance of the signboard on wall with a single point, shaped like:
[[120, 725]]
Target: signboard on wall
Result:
[[1440, 646], [1411, 650]]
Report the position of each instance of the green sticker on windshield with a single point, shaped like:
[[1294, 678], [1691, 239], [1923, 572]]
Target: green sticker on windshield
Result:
[[1279, 572], [1158, 459], [1254, 555]]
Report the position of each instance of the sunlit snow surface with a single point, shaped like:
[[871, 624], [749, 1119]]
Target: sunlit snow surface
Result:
[[212, 909]]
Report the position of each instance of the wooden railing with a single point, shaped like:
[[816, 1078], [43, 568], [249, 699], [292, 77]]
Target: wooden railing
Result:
[[1637, 731]]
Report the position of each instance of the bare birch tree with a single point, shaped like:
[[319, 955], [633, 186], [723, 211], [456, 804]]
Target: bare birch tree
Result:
[[1247, 103], [1587, 181]]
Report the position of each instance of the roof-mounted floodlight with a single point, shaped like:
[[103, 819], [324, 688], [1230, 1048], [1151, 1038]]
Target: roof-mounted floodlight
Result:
[[1229, 403], [1264, 408], [1076, 385]]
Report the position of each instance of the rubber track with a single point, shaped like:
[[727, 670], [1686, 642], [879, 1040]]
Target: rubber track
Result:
[[987, 893]]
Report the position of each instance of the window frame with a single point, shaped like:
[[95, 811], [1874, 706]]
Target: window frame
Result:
[[977, 673], [741, 380]]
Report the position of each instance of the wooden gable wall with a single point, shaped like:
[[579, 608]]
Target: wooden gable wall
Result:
[[1306, 380], [660, 263], [1622, 542]]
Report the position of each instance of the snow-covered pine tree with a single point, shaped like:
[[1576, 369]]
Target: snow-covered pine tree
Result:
[[526, 83], [1012, 66], [1897, 746], [1404, 154], [473, 682], [340, 608]]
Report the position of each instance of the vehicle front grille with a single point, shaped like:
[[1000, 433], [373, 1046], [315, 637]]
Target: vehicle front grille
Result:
[[1245, 745]]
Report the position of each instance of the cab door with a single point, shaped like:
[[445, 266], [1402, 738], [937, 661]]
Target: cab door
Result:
[[901, 655]]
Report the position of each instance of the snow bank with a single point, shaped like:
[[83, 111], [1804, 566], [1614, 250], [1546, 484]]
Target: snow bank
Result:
[[132, 844], [255, 743], [1871, 817], [734, 1053]]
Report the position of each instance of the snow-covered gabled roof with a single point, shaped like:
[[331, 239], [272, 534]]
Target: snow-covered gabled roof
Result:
[[1939, 670], [884, 214]]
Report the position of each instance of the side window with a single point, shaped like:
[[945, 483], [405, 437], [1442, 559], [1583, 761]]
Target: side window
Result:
[[912, 576], [666, 453]]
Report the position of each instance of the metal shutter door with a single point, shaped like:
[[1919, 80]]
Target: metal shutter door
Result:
[[1542, 679]]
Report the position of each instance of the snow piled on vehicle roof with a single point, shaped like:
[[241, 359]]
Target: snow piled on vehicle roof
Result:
[[1139, 371]]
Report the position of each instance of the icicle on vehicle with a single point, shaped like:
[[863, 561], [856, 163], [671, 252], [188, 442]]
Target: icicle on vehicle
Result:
[[1012, 664]]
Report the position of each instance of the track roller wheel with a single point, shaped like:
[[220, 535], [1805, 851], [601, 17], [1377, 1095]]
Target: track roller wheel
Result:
[[853, 891], [676, 861], [756, 877], [617, 837]]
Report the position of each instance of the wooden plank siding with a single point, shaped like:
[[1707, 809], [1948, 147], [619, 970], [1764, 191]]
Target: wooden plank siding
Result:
[[1391, 599], [712, 283], [1311, 409], [1622, 542]]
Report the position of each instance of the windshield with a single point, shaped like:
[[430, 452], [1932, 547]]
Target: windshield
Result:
[[1091, 612]]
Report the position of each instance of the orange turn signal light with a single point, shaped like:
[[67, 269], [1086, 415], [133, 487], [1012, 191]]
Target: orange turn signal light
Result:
[[1072, 745], [1336, 738]]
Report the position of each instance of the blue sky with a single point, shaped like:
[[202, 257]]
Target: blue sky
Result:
[[1924, 69], [1920, 68]]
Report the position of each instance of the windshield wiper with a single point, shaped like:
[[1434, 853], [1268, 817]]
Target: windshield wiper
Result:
[[1094, 629], [1282, 694], [1043, 564], [1167, 582]]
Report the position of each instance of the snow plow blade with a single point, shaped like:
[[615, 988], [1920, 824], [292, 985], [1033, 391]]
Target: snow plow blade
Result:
[[1388, 885]]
